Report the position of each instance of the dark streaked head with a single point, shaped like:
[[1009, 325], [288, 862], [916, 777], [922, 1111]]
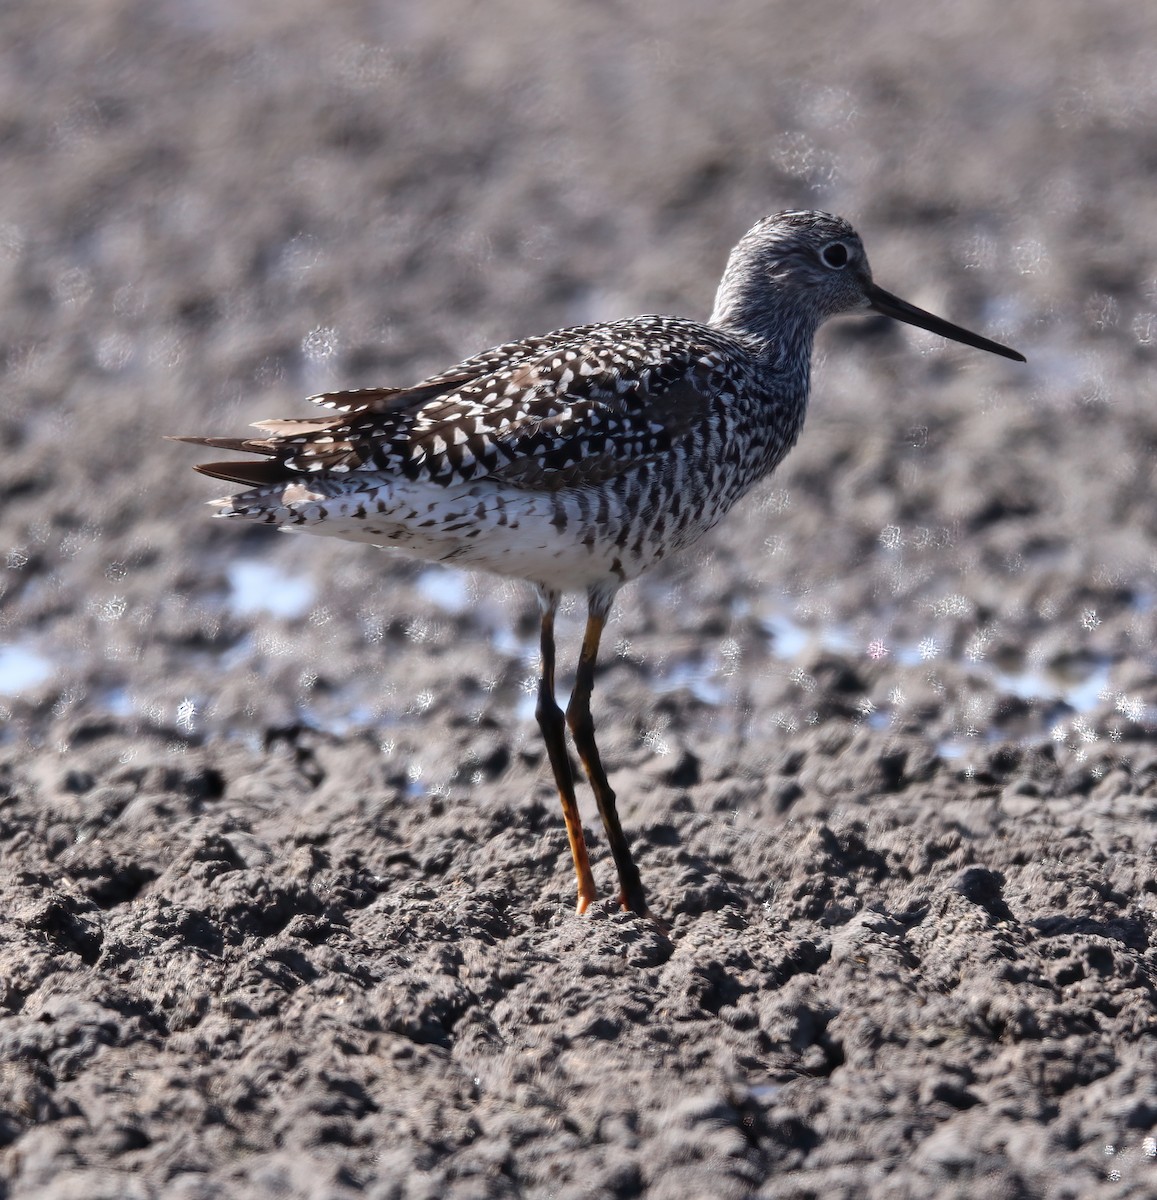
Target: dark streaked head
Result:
[[793, 270]]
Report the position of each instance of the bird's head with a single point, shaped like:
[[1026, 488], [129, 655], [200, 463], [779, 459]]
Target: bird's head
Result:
[[793, 270]]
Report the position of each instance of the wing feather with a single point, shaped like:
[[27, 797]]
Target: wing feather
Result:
[[568, 409]]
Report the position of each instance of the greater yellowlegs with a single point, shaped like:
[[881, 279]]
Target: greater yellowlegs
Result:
[[578, 459]]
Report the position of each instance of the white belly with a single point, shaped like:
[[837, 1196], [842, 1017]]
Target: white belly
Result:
[[571, 540]]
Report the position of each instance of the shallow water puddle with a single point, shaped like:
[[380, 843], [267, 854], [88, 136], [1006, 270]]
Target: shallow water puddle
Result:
[[444, 589], [259, 586], [23, 669], [1080, 689], [1072, 691], [787, 639], [702, 678]]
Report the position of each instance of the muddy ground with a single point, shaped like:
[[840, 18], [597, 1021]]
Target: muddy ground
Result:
[[285, 899]]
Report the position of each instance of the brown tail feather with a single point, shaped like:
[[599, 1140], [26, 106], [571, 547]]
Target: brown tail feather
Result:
[[247, 445], [298, 428], [384, 400], [252, 474]]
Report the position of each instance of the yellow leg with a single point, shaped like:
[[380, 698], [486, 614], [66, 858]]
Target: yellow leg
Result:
[[553, 726], [578, 716]]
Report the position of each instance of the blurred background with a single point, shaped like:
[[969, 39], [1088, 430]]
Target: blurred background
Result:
[[210, 210]]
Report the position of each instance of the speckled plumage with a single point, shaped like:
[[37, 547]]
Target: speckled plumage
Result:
[[578, 459]]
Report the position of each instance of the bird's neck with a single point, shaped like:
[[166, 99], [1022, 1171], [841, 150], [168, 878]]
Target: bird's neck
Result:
[[779, 333]]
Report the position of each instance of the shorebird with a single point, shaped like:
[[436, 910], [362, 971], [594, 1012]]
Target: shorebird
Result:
[[578, 459]]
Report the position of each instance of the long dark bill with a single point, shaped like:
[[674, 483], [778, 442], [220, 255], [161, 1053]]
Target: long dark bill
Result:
[[892, 306]]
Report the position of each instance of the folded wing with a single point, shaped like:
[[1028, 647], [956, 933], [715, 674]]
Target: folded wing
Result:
[[571, 408]]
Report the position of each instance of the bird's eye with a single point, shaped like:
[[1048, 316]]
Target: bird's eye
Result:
[[835, 255]]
